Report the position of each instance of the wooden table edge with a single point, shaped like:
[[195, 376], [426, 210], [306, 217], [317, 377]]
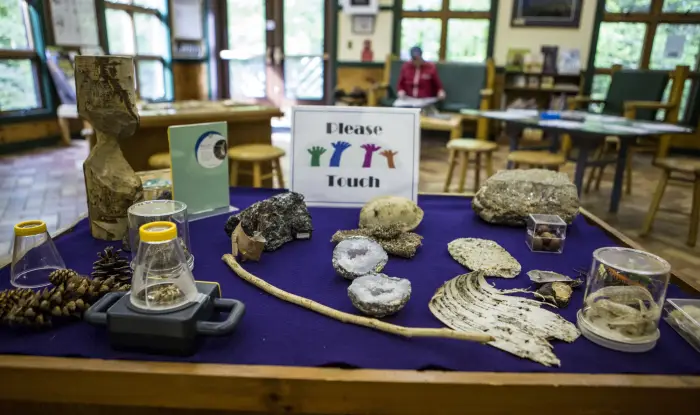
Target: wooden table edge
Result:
[[309, 390]]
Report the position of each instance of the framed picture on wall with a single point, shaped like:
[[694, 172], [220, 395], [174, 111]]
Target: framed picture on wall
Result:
[[363, 24], [546, 13]]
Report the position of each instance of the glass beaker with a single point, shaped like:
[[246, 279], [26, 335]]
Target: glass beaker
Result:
[[162, 280], [625, 292], [155, 211], [34, 255]]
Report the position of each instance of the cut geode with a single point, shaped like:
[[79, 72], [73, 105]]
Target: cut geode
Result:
[[379, 295], [358, 256], [484, 255], [280, 219]]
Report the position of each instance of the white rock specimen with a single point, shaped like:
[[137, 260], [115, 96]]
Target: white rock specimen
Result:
[[358, 256], [509, 196], [484, 255], [379, 295], [388, 210]]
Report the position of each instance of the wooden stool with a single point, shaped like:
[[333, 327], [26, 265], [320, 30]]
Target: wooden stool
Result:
[[672, 165], [159, 161], [464, 146], [256, 154], [537, 159]]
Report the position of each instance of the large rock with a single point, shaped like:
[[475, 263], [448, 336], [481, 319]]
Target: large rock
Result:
[[509, 196], [280, 219]]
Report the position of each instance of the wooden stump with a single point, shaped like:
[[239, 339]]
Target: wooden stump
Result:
[[106, 99]]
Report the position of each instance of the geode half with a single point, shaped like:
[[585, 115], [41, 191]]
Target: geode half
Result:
[[358, 256], [280, 219], [379, 295], [509, 196], [391, 237]]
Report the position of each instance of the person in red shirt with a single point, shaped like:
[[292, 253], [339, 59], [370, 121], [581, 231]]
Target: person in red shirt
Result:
[[419, 79]]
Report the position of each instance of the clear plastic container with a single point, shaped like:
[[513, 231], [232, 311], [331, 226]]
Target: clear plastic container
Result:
[[683, 314], [625, 292], [156, 211], [545, 233], [162, 280], [34, 255]]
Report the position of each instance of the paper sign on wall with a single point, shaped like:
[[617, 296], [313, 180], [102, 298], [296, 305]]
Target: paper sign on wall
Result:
[[345, 156], [199, 160]]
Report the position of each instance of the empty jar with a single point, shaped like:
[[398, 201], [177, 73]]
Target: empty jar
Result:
[[625, 292], [34, 255], [162, 281], [156, 211]]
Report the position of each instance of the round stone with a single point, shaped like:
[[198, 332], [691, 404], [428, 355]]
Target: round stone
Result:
[[379, 295], [358, 256]]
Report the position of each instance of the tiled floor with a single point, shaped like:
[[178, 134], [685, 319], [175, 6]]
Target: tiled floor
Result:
[[48, 184]]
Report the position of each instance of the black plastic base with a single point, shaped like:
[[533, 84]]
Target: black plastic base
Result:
[[176, 333]]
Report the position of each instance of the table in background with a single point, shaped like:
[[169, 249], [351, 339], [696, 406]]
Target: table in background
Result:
[[247, 124], [586, 134], [283, 358], [443, 122]]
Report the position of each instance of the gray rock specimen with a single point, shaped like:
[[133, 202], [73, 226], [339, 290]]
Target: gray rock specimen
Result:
[[484, 255], [391, 237], [379, 295], [509, 196], [358, 256], [280, 219], [389, 210]]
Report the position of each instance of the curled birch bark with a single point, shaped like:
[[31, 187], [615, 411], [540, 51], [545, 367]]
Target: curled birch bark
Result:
[[351, 318]]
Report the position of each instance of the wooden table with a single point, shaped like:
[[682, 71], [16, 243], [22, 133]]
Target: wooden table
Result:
[[451, 123], [43, 385], [247, 124]]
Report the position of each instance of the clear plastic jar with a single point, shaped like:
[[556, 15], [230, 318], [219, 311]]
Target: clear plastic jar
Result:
[[34, 255], [625, 292], [155, 211], [162, 280]]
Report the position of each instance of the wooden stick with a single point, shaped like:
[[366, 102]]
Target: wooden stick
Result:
[[351, 318]]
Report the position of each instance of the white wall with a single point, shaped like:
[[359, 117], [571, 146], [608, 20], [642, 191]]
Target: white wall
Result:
[[508, 37], [350, 44]]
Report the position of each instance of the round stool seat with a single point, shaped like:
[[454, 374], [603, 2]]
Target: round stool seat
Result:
[[537, 158], [255, 152], [159, 161], [472, 145]]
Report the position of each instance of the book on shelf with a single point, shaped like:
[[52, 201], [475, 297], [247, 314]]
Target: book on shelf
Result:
[[569, 61], [549, 59]]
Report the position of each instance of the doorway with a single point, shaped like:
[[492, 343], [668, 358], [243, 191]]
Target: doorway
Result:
[[275, 51]]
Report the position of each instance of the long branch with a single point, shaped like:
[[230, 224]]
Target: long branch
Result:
[[351, 318]]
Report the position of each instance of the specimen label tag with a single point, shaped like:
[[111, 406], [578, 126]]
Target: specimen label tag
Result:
[[345, 156]]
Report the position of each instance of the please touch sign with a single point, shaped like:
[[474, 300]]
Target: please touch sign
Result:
[[345, 156]]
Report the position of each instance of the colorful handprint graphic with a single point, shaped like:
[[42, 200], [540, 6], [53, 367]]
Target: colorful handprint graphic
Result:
[[338, 148], [389, 154], [316, 152], [370, 149]]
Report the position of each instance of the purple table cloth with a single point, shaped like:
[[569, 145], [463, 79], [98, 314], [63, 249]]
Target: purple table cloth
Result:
[[274, 332]]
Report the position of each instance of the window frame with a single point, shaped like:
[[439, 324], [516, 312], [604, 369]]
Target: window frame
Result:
[[652, 19], [33, 22], [445, 14], [166, 60]]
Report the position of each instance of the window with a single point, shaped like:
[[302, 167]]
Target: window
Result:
[[453, 30], [648, 34], [138, 28], [20, 89]]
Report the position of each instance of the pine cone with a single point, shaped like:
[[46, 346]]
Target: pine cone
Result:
[[112, 265], [60, 276], [10, 298]]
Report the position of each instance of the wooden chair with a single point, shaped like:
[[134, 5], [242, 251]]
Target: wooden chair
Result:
[[256, 154], [626, 98], [679, 169], [464, 147], [537, 159]]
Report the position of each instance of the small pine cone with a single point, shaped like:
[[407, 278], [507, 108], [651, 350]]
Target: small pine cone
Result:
[[112, 265], [61, 276]]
